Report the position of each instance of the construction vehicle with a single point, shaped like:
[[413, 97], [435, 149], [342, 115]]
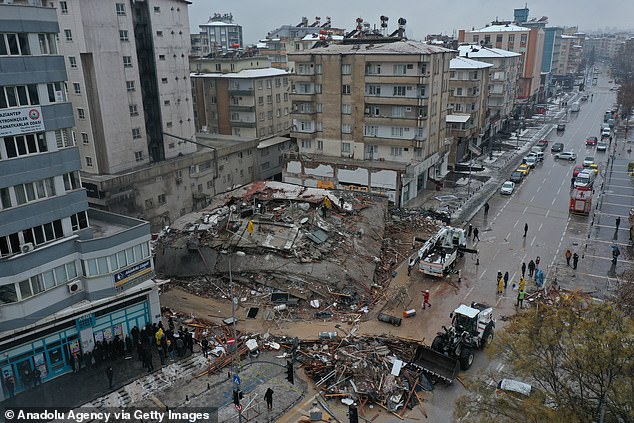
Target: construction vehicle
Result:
[[438, 254], [472, 328], [436, 365]]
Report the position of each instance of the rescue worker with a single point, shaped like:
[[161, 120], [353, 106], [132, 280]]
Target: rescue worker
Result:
[[575, 260], [520, 299], [506, 279], [568, 255], [500, 286], [531, 268], [523, 268], [426, 299], [522, 283]]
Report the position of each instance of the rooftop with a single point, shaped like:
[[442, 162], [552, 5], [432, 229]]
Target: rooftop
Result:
[[500, 28], [379, 48], [466, 63], [246, 74], [477, 51]]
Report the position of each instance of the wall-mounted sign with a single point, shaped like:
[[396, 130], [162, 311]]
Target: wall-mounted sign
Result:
[[22, 120], [133, 272]]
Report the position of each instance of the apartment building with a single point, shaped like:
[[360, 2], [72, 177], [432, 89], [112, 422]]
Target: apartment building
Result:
[[218, 36], [468, 118], [570, 54], [250, 103], [528, 42], [370, 115], [503, 77], [70, 276]]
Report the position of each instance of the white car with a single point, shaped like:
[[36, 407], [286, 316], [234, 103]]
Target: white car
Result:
[[566, 155], [601, 146], [588, 161], [507, 188]]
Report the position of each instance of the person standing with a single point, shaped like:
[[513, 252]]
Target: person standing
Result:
[[575, 260], [520, 299], [525, 229], [522, 283], [486, 209], [568, 255], [476, 234], [618, 222], [500, 286], [9, 384], [268, 396], [537, 260], [470, 231], [523, 268], [531, 268], [37, 377], [410, 267], [426, 299], [572, 182], [506, 279], [110, 374]]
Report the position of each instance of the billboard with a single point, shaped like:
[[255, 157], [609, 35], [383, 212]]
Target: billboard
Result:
[[22, 120]]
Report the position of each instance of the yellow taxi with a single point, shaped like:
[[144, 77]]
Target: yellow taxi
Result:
[[524, 169], [594, 167]]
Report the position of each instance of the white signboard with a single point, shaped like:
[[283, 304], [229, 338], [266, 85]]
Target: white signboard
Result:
[[21, 120]]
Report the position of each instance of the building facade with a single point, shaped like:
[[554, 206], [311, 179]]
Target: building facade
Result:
[[529, 42], [128, 77], [570, 54], [251, 103], [70, 276], [218, 36], [503, 77], [370, 115], [468, 118]]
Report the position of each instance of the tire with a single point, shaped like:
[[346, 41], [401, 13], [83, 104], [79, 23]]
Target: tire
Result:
[[466, 358], [437, 344], [487, 336]]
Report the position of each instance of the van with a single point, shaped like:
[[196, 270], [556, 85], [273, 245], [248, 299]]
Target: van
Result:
[[574, 107], [539, 155], [537, 149], [585, 179]]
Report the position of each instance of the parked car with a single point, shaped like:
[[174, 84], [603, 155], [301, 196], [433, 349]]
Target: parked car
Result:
[[566, 155], [507, 188], [561, 126], [530, 161], [557, 147], [543, 142], [591, 141], [524, 169], [516, 177], [576, 170], [602, 146], [594, 167], [584, 97], [589, 160], [605, 133]]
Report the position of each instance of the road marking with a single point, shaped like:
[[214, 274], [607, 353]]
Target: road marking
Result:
[[584, 240], [607, 192], [532, 198], [618, 205], [552, 203], [539, 188], [516, 222], [469, 292], [612, 227], [608, 258], [482, 274], [547, 212], [540, 226]]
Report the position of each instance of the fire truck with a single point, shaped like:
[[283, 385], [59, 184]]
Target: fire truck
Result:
[[581, 201]]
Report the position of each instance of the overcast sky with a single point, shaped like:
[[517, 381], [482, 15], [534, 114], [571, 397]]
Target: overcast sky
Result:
[[258, 17]]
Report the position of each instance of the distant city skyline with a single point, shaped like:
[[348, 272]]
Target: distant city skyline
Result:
[[423, 17]]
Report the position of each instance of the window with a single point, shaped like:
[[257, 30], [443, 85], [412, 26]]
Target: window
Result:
[[399, 90], [77, 88], [320, 145], [269, 99], [307, 144], [129, 85], [511, 38], [370, 130], [166, 103], [157, 9], [159, 33], [318, 69], [373, 89], [73, 62], [120, 8], [345, 89], [81, 113], [261, 100], [161, 199], [138, 156], [396, 151], [68, 34], [88, 161], [346, 69], [397, 131], [476, 38], [161, 57], [345, 147], [22, 145], [398, 111], [79, 221], [123, 35], [346, 109], [19, 95], [14, 45], [346, 128], [459, 91], [48, 43], [163, 80], [63, 7], [84, 138], [498, 38], [136, 133], [278, 98], [133, 110], [372, 69], [71, 181], [400, 69], [523, 38], [127, 61]]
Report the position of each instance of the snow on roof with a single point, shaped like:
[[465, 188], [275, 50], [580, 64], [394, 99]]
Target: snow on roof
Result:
[[396, 47], [218, 23], [467, 311], [466, 63], [477, 51], [501, 28], [271, 141], [246, 73], [457, 118], [315, 37]]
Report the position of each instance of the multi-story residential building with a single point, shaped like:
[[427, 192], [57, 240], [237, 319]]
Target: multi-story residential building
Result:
[[128, 70], [503, 76], [370, 115], [604, 47], [295, 38], [219, 35], [250, 103], [570, 54], [552, 48], [70, 276], [468, 118], [529, 42]]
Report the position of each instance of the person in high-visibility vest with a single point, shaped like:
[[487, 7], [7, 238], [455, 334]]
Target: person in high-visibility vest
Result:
[[500, 286], [250, 227], [520, 299], [522, 283]]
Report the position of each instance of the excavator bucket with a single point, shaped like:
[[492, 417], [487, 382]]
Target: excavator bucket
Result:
[[435, 364]]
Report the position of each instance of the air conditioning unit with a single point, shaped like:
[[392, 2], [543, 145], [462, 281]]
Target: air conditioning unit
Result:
[[74, 287], [28, 247]]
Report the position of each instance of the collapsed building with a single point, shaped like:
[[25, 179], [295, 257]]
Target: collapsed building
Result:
[[281, 243]]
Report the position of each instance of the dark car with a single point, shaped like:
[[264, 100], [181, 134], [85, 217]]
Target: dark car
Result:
[[516, 177], [557, 147], [561, 126]]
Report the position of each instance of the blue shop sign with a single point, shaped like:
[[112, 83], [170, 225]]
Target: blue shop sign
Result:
[[132, 272]]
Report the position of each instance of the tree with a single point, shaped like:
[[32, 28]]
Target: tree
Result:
[[579, 357], [625, 98]]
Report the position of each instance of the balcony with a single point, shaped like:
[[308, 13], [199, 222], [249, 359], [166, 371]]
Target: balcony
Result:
[[241, 92], [243, 123]]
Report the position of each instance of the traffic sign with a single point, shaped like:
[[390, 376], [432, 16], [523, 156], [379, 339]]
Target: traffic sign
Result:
[[231, 341], [236, 379]]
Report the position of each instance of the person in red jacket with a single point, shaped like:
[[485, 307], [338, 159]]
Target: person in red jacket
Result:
[[426, 299]]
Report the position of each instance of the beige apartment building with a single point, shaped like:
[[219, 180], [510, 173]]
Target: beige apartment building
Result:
[[570, 54], [250, 103], [503, 77], [529, 42], [370, 115], [468, 117]]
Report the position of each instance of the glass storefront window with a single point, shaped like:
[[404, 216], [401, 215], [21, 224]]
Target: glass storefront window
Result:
[[146, 250], [103, 265], [25, 289], [113, 262], [49, 279], [138, 252], [130, 254], [121, 259]]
